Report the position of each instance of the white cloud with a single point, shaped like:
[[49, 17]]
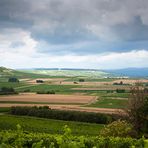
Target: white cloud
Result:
[[12, 36], [135, 58]]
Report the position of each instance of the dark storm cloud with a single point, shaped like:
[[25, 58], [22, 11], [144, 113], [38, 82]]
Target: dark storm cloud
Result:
[[62, 22], [134, 31]]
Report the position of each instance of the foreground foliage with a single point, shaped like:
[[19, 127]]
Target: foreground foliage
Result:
[[119, 128], [21, 139]]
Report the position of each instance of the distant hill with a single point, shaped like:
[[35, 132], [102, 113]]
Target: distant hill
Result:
[[47, 72], [131, 72], [4, 72], [7, 72], [76, 69], [67, 72]]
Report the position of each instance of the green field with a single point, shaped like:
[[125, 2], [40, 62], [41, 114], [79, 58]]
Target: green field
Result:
[[110, 100], [59, 89], [91, 79], [33, 124], [4, 109], [109, 103], [12, 84]]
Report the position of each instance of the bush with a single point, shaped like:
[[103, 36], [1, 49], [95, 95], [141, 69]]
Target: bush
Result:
[[39, 81], [110, 91], [117, 129], [46, 92], [120, 90], [13, 79], [7, 91], [75, 82], [81, 80], [120, 83], [62, 114]]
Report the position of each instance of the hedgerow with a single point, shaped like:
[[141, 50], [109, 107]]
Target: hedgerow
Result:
[[45, 112]]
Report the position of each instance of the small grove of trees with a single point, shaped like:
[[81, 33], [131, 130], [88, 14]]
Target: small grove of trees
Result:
[[137, 110], [7, 91], [81, 80], [13, 79], [39, 81]]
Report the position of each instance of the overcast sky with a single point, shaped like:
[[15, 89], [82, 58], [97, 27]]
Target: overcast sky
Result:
[[102, 34]]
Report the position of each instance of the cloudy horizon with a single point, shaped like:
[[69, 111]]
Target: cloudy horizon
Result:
[[98, 34]]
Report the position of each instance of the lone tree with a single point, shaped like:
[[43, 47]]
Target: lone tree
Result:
[[138, 110]]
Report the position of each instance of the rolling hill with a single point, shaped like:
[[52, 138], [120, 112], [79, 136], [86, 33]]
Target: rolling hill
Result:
[[69, 72], [130, 72]]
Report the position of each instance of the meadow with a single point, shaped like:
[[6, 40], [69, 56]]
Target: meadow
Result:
[[62, 82], [34, 124]]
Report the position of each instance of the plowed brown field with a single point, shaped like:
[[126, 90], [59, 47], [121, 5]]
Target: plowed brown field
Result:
[[31, 97]]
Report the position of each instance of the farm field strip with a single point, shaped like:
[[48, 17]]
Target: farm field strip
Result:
[[102, 87], [48, 98], [109, 103], [46, 103], [87, 109]]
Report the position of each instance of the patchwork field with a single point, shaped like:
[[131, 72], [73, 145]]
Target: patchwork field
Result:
[[95, 94]]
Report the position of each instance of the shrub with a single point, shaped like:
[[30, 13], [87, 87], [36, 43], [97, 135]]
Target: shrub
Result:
[[46, 92], [13, 79], [110, 91], [39, 81], [120, 90], [7, 91], [117, 129], [75, 82], [81, 80]]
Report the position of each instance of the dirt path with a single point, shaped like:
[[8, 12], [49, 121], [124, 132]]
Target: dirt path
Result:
[[92, 101]]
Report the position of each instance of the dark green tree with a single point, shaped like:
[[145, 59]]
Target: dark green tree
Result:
[[13, 79], [138, 110]]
